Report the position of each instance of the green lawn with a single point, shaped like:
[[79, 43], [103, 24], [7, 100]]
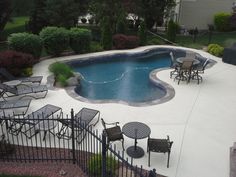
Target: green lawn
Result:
[[16, 25], [223, 39], [16, 21]]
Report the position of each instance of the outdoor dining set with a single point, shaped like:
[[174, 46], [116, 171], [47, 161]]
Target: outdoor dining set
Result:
[[188, 68]]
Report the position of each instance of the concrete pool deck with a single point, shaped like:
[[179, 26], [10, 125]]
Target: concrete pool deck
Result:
[[200, 119]]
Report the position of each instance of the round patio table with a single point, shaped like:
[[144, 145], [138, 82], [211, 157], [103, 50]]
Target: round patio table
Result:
[[136, 130], [182, 59]]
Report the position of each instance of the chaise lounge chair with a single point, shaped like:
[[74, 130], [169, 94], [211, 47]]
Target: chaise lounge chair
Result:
[[82, 120], [24, 80], [36, 92], [44, 119], [18, 107]]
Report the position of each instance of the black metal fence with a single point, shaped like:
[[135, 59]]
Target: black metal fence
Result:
[[63, 138]]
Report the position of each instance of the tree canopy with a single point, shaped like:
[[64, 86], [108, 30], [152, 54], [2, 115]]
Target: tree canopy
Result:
[[5, 12]]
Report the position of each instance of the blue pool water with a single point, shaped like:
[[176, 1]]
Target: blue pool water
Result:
[[120, 77]]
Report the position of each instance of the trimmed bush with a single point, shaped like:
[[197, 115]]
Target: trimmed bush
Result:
[[26, 43], [121, 25], [13, 59], [61, 69], [215, 49], [222, 21], [62, 72], [142, 33], [80, 40], [16, 61], [106, 34], [121, 41], [171, 30], [95, 47], [95, 165], [55, 40]]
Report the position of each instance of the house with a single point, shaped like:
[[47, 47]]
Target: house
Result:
[[200, 13]]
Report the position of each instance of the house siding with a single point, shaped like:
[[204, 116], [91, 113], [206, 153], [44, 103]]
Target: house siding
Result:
[[200, 13]]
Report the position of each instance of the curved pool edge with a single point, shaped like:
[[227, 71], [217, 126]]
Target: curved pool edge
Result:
[[170, 93]]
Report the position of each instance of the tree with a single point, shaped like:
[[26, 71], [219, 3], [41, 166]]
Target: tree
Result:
[[21, 7], [142, 33], [5, 12], [38, 19], [121, 24], [153, 11], [171, 31], [107, 8], [62, 13], [106, 34]]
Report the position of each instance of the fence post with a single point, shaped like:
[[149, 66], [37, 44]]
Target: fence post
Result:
[[104, 144], [152, 173], [73, 135]]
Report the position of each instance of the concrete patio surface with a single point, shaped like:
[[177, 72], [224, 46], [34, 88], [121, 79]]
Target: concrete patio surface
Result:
[[200, 119]]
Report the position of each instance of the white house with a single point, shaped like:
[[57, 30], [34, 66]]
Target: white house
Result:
[[200, 13]]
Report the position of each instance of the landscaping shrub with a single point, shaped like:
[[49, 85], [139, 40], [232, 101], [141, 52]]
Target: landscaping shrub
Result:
[[95, 165], [106, 34], [215, 49], [26, 43], [121, 41], [61, 72], [80, 40], [55, 40], [142, 33], [171, 30], [27, 71], [121, 25], [95, 47], [61, 69], [222, 21], [16, 61]]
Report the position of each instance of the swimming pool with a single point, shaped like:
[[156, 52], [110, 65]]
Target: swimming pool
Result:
[[121, 77]]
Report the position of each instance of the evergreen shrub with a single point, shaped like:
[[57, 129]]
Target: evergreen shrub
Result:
[[26, 43], [80, 40], [222, 21], [55, 40]]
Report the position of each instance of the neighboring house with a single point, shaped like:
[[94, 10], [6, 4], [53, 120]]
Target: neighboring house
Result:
[[200, 13]]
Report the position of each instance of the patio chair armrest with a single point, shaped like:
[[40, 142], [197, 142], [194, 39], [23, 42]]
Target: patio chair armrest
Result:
[[113, 123]]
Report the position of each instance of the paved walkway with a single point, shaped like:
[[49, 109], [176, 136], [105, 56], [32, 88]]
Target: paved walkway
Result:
[[200, 119]]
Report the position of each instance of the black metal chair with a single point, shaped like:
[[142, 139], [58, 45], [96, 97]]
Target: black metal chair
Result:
[[174, 65], [199, 69], [82, 121], [24, 80], [113, 133], [160, 146], [184, 72]]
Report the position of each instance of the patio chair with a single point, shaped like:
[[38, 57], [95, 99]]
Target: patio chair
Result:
[[39, 91], [199, 69], [113, 133], [174, 65], [82, 121], [18, 107], [160, 146], [185, 71], [43, 119], [9, 77]]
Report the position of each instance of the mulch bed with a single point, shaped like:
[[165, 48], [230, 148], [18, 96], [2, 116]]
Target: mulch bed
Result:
[[46, 162]]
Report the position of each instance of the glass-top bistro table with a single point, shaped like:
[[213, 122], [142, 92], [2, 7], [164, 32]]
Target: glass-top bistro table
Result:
[[136, 130], [182, 59]]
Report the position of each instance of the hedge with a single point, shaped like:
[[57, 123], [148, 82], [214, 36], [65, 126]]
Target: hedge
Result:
[[26, 43], [55, 40], [121, 41], [80, 40]]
